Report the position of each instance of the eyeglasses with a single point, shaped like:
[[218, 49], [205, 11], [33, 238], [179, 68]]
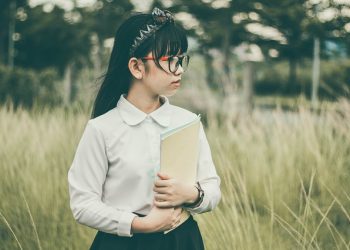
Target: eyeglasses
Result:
[[173, 61]]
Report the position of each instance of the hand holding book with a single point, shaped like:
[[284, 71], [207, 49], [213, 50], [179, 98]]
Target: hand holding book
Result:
[[171, 192]]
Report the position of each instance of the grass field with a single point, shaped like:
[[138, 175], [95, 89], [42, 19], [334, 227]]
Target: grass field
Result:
[[285, 180]]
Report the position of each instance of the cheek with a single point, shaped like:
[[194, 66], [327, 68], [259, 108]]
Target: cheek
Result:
[[158, 76]]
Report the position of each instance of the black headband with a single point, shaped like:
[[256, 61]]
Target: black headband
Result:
[[160, 18]]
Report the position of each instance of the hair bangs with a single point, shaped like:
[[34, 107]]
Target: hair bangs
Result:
[[170, 40]]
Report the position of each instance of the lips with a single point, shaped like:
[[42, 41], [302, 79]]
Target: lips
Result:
[[177, 81]]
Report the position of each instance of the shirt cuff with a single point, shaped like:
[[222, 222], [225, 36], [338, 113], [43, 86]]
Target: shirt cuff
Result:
[[199, 208], [125, 221], [206, 204]]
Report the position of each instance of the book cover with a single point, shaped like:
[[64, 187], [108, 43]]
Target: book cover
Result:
[[179, 148]]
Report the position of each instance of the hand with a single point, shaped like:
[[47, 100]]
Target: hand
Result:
[[160, 219], [171, 192]]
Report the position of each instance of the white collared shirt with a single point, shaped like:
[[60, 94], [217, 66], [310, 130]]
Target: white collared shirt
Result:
[[116, 163]]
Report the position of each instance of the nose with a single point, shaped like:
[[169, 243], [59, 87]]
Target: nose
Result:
[[179, 70]]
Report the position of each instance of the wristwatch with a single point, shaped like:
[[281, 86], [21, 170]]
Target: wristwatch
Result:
[[199, 199]]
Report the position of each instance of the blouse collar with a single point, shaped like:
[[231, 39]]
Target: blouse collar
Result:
[[133, 116]]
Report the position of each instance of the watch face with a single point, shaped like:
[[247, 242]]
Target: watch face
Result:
[[201, 192]]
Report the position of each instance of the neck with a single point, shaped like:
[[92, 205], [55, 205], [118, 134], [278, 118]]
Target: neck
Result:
[[144, 101]]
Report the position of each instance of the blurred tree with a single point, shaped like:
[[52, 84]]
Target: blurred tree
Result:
[[8, 10], [289, 17], [327, 22], [300, 22], [52, 39], [102, 20], [283, 29], [25, 87], [105, 16], [216, 30]]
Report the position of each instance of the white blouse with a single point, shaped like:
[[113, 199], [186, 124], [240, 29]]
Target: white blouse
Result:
[[116, 164]]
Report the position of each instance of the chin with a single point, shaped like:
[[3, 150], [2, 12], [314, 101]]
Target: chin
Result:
[[169, 94]]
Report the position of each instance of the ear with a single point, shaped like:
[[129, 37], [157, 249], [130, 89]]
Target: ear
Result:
[[136, 68]]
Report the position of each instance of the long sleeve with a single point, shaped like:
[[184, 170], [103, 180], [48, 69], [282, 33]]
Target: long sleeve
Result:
[[86, 178], [207, 177]]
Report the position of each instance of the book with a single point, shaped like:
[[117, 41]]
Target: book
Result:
[[179, 149]]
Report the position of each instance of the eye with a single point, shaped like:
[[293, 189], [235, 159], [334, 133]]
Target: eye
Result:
[[173, 59]]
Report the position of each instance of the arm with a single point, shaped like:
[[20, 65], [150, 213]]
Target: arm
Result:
[[86, 177]]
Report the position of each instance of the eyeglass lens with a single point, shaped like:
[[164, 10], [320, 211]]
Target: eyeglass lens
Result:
[[175, 61]]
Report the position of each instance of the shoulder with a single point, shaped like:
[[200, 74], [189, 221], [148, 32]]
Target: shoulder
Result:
[[107, 122]]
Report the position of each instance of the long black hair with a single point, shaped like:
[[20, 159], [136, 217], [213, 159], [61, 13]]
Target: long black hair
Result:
[[170, 39]]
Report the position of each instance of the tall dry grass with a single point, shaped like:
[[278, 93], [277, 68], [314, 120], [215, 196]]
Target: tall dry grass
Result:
[[285, 180]]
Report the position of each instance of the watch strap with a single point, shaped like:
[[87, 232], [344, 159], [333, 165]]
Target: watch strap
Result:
[[199, 198]]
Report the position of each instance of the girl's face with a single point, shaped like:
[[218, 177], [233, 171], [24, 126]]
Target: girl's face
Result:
[[161, 82]]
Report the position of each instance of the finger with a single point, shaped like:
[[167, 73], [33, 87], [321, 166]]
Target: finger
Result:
[[162, 190], [161, 183], [160, 197], [163, 176], [163, 204]]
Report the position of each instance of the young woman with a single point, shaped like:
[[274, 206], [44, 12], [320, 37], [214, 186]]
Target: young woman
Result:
[[114, 182]]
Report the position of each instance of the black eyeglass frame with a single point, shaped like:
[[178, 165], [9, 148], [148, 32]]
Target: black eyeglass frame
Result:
[[168, 58]]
